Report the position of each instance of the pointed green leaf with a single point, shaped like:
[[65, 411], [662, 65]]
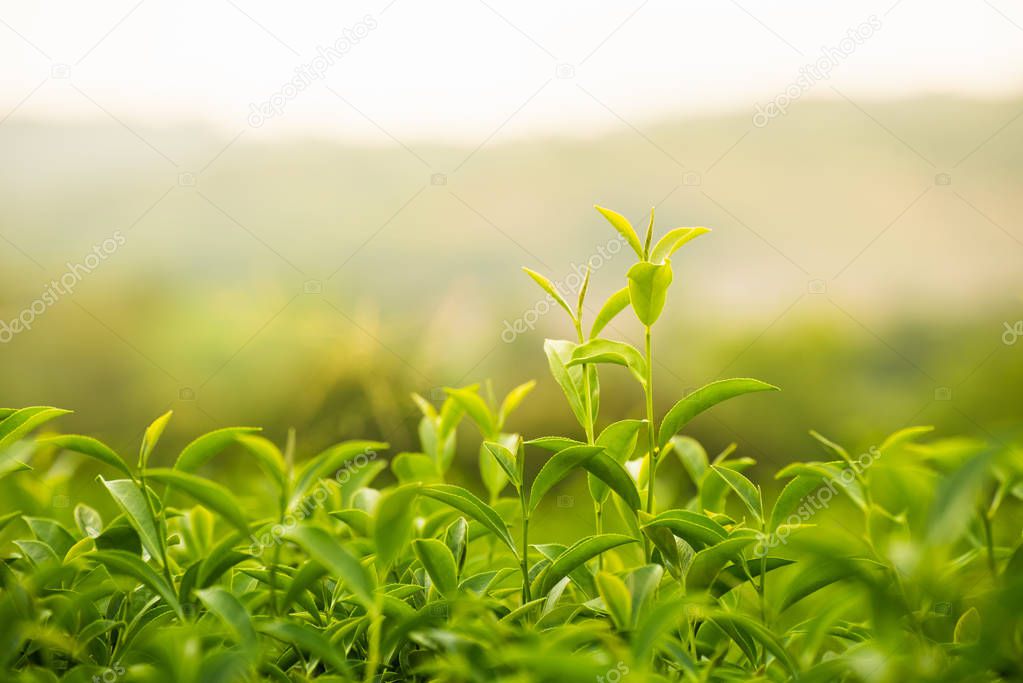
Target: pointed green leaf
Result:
[[624, 228], [152, 435], [615, 304], [648, 290], [214, 496], [703, 398], [439, 563], [744, 488], [551, 290], [130, 499], [337, 560], [86, 445], [506, 459], [616, 598], [467, 503], [120, 562], [614, 352], [577, 554], [673, 241], [197, 453]]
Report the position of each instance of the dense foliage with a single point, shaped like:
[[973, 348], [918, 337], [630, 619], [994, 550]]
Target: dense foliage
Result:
[[900, 563]]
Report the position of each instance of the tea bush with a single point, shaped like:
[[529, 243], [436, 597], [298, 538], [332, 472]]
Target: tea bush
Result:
[[901, 563]]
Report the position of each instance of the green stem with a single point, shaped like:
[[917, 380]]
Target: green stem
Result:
[[525, 550], [651, 435], [989, 541], [598, 513], [375, 625]]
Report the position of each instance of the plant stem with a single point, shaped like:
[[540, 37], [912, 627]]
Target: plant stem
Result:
[[989, 541], [651, 435], [598, 514], [525, 549]]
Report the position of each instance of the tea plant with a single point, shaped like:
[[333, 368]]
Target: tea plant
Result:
[[903, 563]]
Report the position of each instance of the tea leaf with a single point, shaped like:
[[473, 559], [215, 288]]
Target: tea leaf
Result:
[[617, 599], [614, 305], [616, 353], [648, 290], [120, 562], [549, 287], [673, 241], [132, 502], [577, 554], [335, 559], [439, 563], [212, 495], [466, 503], [93, 448], [703, 398], [624, 228], [199, 451], [744, 488]]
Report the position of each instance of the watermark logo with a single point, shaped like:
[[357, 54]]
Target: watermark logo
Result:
[[568, 287], [816, 501], [61, 287], [310, 72], [308, 505], [1012, 332], [818, 70]]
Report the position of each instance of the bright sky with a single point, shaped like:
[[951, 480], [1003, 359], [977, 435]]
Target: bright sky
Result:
[[463, 69]]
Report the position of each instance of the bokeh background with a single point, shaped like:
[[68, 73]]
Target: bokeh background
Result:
[[306, 256]]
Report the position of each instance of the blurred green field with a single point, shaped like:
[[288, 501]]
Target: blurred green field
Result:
[[314, 283]]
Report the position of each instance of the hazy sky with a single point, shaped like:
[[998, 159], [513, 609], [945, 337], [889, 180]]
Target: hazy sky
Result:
[[467, 68]]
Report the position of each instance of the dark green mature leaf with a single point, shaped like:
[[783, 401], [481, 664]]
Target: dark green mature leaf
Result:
[[214, 496], [132, 501], [51, 533], [86, 445], [615, 304], [337, 560], [120, 562], [822, 572], [621, 224], [648, 290], [199, 451], [614, 352], [439, 563], [468, 504], [577, 554], [703, 398]]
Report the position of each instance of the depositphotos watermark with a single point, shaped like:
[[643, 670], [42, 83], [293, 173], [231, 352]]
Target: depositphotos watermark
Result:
[[816, 501], [1012, 332], [815, 71], [308, 505], [314, 70], [61, 287], [568, 287]]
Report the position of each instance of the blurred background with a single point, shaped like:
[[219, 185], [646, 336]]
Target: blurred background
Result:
[[255, 213]]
